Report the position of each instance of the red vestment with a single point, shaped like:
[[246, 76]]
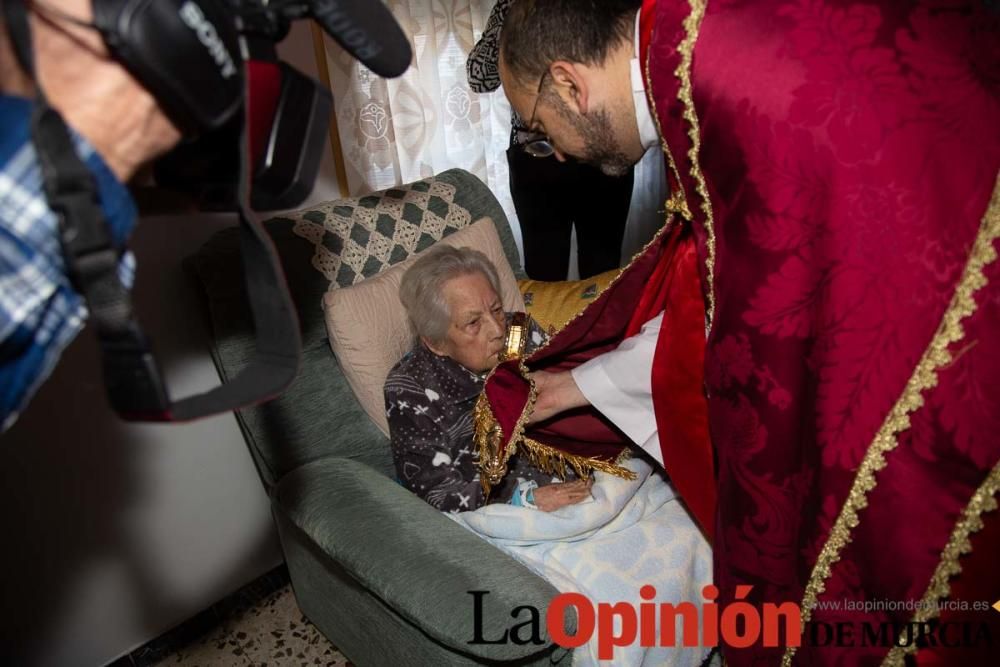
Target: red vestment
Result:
[[837, 164], [840, 161]]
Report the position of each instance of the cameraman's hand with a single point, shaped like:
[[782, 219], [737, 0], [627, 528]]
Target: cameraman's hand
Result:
[[95, 95], [552, 497]]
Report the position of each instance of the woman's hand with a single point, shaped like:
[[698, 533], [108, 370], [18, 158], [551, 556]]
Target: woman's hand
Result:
[[552, 497], [556, 392]]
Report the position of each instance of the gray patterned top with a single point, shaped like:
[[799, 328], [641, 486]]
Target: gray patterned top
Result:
[[429, 401], [482, 68]]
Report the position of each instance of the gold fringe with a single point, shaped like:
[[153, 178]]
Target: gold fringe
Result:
[[489, 438], [982, 501], [554, 461], [924, 377]]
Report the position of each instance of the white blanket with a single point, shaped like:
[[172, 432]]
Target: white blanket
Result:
[[631, 534]]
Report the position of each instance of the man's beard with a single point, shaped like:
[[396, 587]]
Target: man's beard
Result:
[[599, 145]]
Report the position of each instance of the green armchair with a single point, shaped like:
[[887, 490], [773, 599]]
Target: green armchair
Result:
[[383, 575]]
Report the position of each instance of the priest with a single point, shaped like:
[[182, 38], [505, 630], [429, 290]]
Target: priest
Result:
[[807, 344]]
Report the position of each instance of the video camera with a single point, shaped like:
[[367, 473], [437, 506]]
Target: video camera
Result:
[[288, 111], [205, 62]]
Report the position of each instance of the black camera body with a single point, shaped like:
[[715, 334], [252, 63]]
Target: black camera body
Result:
[[206, 60]]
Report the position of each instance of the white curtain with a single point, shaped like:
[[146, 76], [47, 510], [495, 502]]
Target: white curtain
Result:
[[400, 130]]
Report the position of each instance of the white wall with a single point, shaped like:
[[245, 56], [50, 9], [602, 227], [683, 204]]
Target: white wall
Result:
[[113, 532]]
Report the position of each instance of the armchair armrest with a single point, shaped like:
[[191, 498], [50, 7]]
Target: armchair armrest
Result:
[[417, 561]]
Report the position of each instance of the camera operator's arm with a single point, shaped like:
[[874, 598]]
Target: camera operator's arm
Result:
[[116, 127], [95, 95]]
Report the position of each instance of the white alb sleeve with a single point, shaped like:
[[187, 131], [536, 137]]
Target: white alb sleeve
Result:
[[619, 384]]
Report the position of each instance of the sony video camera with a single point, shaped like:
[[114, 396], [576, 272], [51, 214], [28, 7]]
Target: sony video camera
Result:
[[288, 112], [259, 126]]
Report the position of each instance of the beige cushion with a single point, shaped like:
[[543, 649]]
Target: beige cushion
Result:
[[368, 328]]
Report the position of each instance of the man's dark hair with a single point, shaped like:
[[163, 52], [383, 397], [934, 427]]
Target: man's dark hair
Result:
[[536, 33]]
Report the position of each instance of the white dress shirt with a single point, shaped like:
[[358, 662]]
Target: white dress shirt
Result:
[[619, 384], [643, 117]]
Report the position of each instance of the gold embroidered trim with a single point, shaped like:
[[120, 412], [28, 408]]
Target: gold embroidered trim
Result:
[[982, 501], [692, 25], [676, 201], [488, 434], [493, 463], [487, 439], [924, 377]]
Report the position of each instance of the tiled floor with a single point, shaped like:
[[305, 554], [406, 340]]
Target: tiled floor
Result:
[[273, 632], [259, 625]]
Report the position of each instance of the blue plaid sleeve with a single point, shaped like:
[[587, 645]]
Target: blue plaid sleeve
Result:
[[40, 312]]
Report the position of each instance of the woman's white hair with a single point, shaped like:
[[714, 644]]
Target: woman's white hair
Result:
[[422, 286]]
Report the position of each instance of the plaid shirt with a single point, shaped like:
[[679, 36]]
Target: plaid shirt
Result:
[[40, 312]]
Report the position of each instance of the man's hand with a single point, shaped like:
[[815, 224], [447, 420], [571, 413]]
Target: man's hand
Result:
[[556, 392], [94, 94], [552, 497]]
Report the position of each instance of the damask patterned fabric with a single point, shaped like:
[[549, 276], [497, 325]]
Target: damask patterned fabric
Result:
[[429, 401], [844, 191]]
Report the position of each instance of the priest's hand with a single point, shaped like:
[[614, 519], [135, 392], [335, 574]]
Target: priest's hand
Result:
[[552, 497], [556, 392]]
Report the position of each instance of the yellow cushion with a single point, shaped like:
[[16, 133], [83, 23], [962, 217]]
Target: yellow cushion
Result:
[[553, 304]]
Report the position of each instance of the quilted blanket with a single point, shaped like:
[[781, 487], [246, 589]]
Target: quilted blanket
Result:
[[631, 534]]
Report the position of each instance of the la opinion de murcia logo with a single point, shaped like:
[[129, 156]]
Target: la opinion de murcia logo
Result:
[[193, 17]]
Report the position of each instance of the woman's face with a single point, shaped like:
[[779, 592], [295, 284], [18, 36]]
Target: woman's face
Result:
[[478, 324]]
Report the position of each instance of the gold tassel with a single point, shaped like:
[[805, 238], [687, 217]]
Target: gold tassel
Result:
[[554, 461]]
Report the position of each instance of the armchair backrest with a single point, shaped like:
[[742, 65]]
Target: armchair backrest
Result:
[[330, 245]]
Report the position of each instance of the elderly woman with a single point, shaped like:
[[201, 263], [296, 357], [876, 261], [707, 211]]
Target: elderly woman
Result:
[[452, 296]]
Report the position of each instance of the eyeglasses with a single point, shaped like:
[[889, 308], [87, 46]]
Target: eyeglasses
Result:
[[536, 144]]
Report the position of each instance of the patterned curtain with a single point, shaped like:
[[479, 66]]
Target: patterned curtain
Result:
[[400, 130]]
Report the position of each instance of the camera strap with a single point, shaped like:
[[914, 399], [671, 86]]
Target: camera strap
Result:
[[134, 383]]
